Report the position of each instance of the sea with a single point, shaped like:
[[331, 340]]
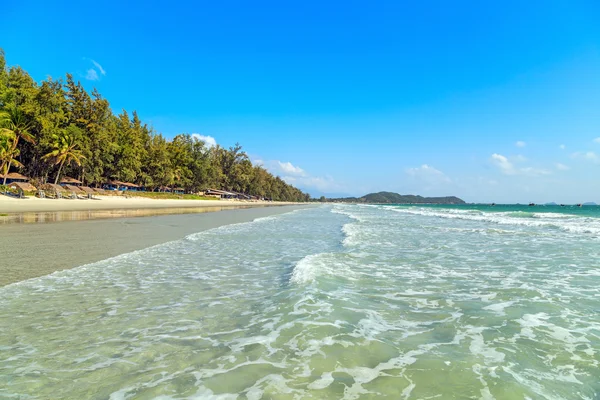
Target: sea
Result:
[[339, 301]]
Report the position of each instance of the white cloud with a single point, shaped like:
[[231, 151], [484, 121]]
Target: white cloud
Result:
[[289, 169], [588, 156], [91, 75], [520, 143], [209, 140], [508, 168], [597, 140], [562, 147], [562, 167], [102, 71], [428, 173], [322, 184], [530, 171], [298, 177]]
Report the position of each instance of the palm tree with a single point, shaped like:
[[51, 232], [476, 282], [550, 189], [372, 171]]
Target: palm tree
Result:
[[65, 151], [13, 123], [5, 146], [7, 152]]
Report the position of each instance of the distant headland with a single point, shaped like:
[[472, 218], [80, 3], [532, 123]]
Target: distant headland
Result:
[[395, 198]]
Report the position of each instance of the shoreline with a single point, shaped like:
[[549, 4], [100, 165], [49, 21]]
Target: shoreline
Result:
[[9, 205], [45, 217], [37, 249]]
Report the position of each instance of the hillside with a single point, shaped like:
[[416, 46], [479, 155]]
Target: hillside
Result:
[[395, 198]]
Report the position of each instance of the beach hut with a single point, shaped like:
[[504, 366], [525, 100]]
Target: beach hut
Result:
[[213, 193], [221, 194], [12, 177], [132, 187], [89, 192], [178, 190], [239, 196], [53, 191], [21, 188], [67, 180], [76, 191], [118, 185], [112, 185]]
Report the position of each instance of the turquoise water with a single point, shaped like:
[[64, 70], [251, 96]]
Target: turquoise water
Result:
[[572, 210], [342, 301]]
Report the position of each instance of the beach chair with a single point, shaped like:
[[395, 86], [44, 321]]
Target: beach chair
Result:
[[89, 192], [53, 191], [15, 192], [76, 192]]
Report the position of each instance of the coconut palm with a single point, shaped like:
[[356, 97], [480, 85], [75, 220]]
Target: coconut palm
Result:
[[7, 152], [5, 146], [64, 151], [13, 123]]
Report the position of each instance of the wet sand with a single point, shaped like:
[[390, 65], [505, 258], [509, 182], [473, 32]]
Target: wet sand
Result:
[[32, 250], [81, 215], [33, 204]]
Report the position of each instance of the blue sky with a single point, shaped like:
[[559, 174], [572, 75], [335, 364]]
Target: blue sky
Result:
[[489, 101]]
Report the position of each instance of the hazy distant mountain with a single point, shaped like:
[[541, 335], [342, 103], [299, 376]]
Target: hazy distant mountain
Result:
[[395, 198], [551, 204], [590, 203]]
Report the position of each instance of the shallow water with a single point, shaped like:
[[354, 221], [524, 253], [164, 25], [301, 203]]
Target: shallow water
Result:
[[341, 301]]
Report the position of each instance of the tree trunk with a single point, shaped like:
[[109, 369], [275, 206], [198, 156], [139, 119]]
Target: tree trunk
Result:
[[58, 174], [15, 144], [7, 169]]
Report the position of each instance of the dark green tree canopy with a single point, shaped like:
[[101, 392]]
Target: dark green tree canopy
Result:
[[57, 128]]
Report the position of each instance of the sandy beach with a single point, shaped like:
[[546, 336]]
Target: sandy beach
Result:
[[32, 250], [34, 204]]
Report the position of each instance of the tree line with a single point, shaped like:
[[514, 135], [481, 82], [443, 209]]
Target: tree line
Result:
[[56, 128]]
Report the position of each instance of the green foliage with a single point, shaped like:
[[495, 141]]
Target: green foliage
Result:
[[13, 126], [65, 149], [57, 128]]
